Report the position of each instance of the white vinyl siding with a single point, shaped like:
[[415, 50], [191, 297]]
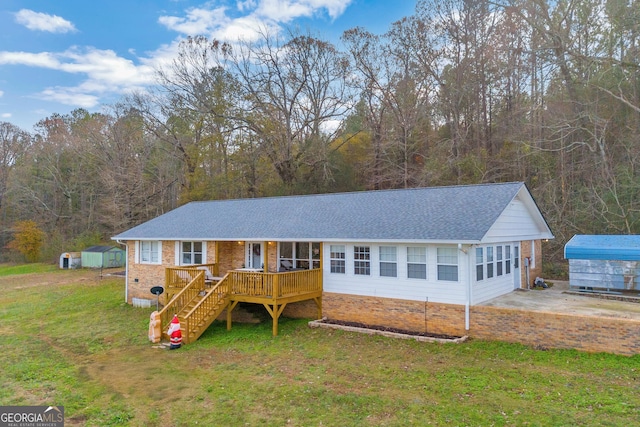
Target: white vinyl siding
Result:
[[401, 286], [495, 259]]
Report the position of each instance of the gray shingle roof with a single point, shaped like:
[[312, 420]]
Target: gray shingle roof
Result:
[[456, 213]]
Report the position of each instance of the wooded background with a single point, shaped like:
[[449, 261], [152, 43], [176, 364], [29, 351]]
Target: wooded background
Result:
[[461, 92]]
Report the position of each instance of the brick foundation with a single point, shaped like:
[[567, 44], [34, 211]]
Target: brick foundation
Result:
[[556, 330], [538, 329]]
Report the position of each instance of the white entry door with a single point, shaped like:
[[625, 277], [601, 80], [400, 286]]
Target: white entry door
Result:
[[254, 257], [516, 267]]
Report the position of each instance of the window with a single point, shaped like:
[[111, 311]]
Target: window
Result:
[[479, 264], [417, 263], [388, 261], [299, 255], [337, 258], [507, 259], [489, 262], [150, 252], [191, 253], [447, 260], [302, 255], [498, 260], [286, 256], [516, 257], [362, 260]]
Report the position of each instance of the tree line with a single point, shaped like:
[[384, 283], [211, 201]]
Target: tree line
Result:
[[460, 92]]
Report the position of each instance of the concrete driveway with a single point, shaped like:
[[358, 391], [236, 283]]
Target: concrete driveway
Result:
[[558, 299]]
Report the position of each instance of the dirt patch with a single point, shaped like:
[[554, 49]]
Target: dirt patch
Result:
[[63, 277]]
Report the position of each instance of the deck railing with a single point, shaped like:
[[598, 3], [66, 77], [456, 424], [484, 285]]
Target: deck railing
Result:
[[214, 299], [177, 278], [182, 298], [275, 285], [274, 290]]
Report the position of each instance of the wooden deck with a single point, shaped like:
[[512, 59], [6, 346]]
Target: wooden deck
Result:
[[198, 303]]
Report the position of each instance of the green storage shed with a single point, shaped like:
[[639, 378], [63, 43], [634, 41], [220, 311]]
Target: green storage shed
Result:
[[103, 257]]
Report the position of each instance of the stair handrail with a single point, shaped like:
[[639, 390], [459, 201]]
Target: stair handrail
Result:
[[211, 299], [181, 299]]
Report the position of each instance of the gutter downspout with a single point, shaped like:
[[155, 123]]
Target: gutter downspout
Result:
[[468, 301], [126, 269]]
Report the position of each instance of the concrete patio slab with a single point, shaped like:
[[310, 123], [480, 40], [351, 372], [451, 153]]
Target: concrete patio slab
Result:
[[558, 299]]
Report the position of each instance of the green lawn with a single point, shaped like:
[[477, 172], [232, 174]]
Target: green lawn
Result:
[[78, 345]]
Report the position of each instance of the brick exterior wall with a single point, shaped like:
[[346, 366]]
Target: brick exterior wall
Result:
[[538, 329], [556, 330], [142, 277], [525, 252]]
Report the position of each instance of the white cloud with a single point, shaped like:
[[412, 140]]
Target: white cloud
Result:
[[43, 22], [197, 22], [43, 59], [69, 96], [1, 94], [254, 15], [105, 73], [5, 115]]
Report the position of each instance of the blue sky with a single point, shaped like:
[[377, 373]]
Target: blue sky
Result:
[[59, 55]]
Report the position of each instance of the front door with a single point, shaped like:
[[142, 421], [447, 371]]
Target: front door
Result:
[[254, 257], [516, 267]]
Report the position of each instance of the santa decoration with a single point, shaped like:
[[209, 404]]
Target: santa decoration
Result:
[[175, 334]]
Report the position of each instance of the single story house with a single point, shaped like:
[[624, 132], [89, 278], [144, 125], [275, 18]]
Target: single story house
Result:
[[604, 263], [412, 258], [103, 257]]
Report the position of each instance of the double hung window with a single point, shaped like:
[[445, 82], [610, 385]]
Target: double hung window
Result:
[[337, 258], [447, 259], [416, 262], [362, 260], [191, 253], [149, 252], [388, 261]]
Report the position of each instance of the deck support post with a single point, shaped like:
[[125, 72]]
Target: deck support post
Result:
[[230, 308], [275, 313], [318, 301]]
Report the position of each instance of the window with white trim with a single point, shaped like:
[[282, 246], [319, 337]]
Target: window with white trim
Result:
[[447, 263], [479, 264], [150, 252], [489, 262], [498, 260], [507, 259], [191, 253], [337, 258], [416, 262], [362, 260], [388, 261]]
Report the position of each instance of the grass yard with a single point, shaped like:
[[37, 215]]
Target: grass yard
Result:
[[69, 339]]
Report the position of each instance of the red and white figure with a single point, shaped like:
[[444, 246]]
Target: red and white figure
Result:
[[175, 334]]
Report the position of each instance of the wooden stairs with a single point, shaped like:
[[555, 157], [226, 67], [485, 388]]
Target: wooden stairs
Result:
[[196, 307]]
